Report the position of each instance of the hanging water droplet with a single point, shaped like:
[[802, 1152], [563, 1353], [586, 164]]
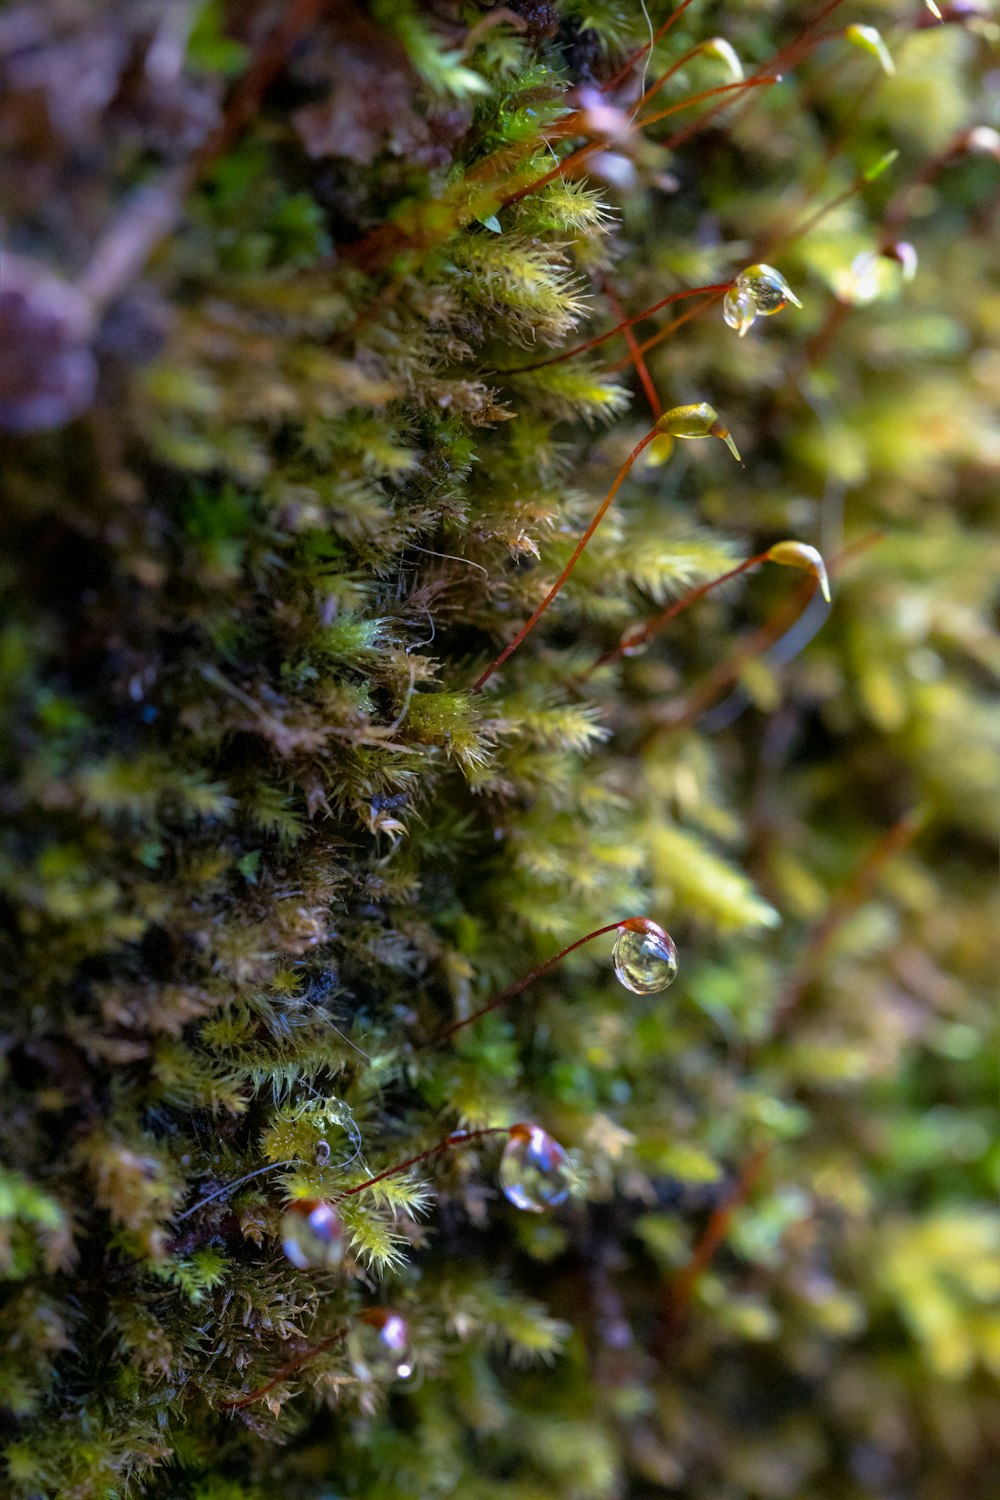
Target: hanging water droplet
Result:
[[644, 957], [905, 256], [739, 308], [312, 1235], [768, 288], [758, 291], [535, 1172], [377, 1346]]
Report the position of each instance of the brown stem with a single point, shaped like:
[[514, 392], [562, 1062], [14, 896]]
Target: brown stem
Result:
[[722, 88], [902, 833], [530, 623], [632, 639], [522, 984], [630, 62], [684, 1285], [671, 327], [756, 644], [457, 1138], [622, 327], [642, 369], [290, 1368]]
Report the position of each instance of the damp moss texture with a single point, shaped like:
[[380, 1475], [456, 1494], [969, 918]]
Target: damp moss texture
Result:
[[289, 454]]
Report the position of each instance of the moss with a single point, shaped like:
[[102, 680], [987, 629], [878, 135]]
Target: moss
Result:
[[279, 483]]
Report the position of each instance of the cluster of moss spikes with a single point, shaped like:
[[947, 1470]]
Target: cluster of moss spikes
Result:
[[290, 455]]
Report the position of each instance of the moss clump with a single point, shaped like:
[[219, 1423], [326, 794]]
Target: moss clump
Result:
[[279, 484]]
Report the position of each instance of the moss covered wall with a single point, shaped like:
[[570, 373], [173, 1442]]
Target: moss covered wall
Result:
[[288, 456]]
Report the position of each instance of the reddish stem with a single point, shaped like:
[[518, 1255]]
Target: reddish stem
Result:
[[686, 1282], [522, 984], [722, 88], [530, 623], [631, 639], [290, 1368], [672, 326], [902, 833], [621, 327], [756, 644], [647, 47], [655, 404], [584, 153], [457, 1138]]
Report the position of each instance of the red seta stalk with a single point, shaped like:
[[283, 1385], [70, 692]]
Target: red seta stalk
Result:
[[633, 637], [530, 623], [642, 370], [640, 52], [711, 299], [290, 1368], [629, 924], [457, 1138], [622, 327]]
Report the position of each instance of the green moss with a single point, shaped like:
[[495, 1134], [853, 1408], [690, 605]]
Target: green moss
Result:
[[262, 841]]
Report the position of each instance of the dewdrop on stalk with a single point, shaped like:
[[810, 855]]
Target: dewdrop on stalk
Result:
[[759, 291], [644, 957], [535, 1172], [377, 1347], [312, 1235]]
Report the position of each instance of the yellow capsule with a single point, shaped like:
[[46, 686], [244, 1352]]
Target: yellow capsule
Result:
[[870, 38], [697, 421], [717, 46], [800, 555]]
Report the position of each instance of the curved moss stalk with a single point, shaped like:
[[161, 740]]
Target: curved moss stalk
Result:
[[693, 421], [790, 554]]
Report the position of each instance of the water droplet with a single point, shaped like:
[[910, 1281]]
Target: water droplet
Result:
[[767, 287], [739, 308], [644, 957], [534, 1170], [984, 140], [377, 1345], [905, 255], [312, 1235]]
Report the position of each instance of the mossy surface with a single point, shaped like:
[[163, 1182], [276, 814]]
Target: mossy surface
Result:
[[284, 468]]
